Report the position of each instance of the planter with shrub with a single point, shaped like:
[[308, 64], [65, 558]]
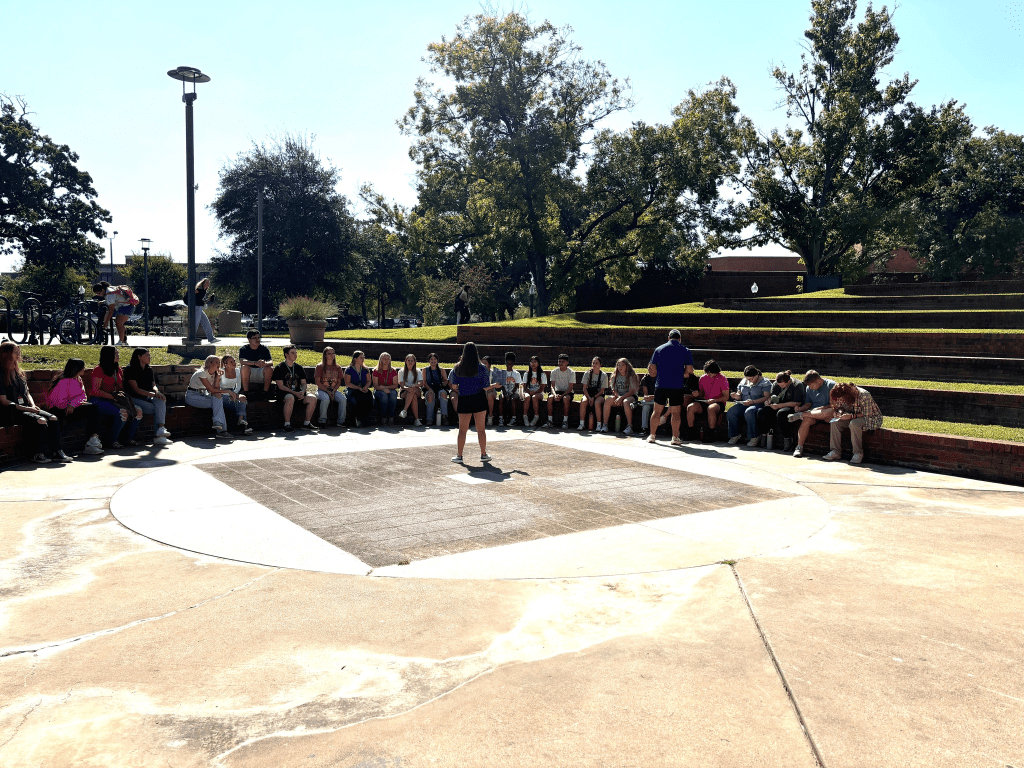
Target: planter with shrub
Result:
[[306, 318]]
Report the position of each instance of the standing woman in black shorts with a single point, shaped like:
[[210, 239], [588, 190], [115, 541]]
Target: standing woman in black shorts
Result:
[[469, 379]]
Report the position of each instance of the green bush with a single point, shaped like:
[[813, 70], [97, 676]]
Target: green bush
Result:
[[305, 308]]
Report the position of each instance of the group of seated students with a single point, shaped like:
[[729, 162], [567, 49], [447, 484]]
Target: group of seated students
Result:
[[112, 401], [108, 400]]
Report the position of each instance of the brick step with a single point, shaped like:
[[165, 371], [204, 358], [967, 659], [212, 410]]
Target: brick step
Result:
[[937, 289], [838, 315], [877, 303]]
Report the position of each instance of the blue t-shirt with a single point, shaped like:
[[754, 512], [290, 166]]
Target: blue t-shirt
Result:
[[818, 398], [671, 359], [358, 378], [750, 391], [470, 385]]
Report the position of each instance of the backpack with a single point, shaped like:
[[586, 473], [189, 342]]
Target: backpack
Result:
[[129, 294]]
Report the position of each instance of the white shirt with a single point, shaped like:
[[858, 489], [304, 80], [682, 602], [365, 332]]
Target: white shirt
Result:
[[196, 382], [537, 383], [235, 384], [563, 381]]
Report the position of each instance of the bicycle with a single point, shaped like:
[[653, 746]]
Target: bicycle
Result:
[[70, 324]]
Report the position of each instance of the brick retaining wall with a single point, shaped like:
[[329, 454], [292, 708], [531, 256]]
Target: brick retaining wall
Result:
[[935, 289], [767, 317], [877, 303]]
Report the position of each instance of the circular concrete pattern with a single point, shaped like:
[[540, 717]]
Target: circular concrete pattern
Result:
[[546, 506]]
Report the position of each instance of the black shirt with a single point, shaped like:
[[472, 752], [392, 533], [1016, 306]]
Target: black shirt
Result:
[[794, 392], [692, 383], [143, 378], [251, 355], [647, 384], [18, 390], [293, 377]]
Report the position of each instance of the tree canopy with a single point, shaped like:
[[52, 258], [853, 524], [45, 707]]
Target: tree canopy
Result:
[[167, 278], [47, 204], [859, 149], [307, 228]]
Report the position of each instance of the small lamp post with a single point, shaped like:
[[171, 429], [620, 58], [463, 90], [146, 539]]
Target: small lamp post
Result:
[[190, 75], [533, 293], [111, 239], [145, 272]]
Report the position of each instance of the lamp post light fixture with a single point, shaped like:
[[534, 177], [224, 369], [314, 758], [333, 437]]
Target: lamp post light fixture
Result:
[[111, 239], [190, 75], [145, 272]]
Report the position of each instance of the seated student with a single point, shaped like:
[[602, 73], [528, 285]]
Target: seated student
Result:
[[330, 385], [203, 393], [141, 388], [19, 408], [624, 385], [854, 409], [106, 392], [786, 395], [645, 395], [385, 388], [713, 395], [815, 407], [410, 382], [750, 397], [229, 384], [563, 379], [257, 365], [497, 378], [595, 383], [535, 384], [436, 389], [357, 388], [67, 399], [290, 379], [511, 390]]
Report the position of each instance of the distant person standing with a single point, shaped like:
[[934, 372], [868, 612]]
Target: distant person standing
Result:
[[671, 365], [202, 296], [462, 306]]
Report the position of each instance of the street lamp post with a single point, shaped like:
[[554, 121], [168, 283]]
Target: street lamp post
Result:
[[190, 75], [111, 239], [259, 260], [145, 272]]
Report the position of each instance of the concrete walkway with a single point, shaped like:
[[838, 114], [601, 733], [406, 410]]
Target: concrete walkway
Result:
[[854, 616]]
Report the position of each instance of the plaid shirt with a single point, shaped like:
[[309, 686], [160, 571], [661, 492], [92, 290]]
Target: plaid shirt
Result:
[[865, 407]]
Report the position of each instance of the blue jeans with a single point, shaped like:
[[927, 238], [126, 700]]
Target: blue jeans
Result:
[[386, 402], [238, 406], [151, 406], [747, 412], [324, 398], [202, 321], [215, 404], [118, 428]]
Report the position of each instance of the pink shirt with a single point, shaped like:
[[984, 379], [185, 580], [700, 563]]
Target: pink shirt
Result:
[[68, 393], [712, 385]]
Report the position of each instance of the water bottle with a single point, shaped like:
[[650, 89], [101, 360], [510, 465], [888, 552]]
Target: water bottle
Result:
[[618, 423], [437, 418], [771, 439]]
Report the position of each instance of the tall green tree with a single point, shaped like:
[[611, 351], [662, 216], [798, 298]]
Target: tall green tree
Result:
[[308, 232], [970, 215], [48, 209], [379, 280], [167, 277], [856, 152], [498, 151]]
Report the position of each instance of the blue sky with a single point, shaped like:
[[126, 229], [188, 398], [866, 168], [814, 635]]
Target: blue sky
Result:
[[94, 76]]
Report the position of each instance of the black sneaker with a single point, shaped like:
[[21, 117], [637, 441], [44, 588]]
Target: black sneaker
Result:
[[311, 427], [289, 428]]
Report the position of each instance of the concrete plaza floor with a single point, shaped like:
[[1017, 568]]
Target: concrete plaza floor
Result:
[[189, 607]]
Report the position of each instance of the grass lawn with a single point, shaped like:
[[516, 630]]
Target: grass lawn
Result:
[[988, 431], [438, 333]]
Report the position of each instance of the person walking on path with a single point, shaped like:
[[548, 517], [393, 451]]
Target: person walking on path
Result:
[[202, 294], [671, 365], [469, 379], [462, 306]]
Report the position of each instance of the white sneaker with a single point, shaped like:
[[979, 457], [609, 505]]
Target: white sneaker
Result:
[[798, 452], [490, 421], [417, 423], [214, 340], [652, 438], [734, 440], [161, 441], [565, 423], [403, 414], [501, 421], [627, 431], [857, 458], [162, 432], [604, 428], [752, 442], [795, 417], [485, 457], [456, 459], [582, 426], [93, 447], [832, 456], [676, 441]]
